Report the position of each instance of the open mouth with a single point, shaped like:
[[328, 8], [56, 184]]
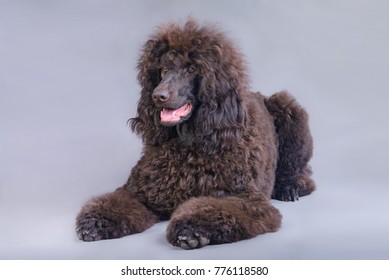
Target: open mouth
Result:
[[174, 116]]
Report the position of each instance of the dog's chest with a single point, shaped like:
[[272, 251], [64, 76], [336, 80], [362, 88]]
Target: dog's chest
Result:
[[166, 179]]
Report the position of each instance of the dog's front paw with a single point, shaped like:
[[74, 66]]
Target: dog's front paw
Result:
[[191, 240], [187, 236], [97, 220], [93, 228]]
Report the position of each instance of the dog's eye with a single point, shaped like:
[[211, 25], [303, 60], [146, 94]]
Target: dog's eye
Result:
[[191, 69], [164, 71]]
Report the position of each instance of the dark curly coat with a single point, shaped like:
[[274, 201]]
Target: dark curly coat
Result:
[[214, 152]]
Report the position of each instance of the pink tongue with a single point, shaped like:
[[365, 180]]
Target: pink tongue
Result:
[[169, 115]]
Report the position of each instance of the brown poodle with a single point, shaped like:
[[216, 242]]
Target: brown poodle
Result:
[[214, 152]]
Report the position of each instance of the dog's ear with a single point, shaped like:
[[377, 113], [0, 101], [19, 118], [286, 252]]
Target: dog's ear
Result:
[[222, 114], [146, 122]]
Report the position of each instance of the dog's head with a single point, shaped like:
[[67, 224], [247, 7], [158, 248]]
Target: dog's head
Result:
[[175, 97], [191, 77]]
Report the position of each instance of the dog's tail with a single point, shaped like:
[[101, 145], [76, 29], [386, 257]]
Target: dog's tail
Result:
[[295, 147]]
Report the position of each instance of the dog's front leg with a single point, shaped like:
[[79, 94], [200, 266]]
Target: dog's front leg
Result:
[[113, 215], [209, 220]]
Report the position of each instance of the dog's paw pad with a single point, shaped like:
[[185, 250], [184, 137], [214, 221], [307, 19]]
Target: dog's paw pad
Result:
[[188, 240], [91, 229]]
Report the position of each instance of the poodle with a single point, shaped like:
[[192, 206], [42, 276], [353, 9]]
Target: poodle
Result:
[[214, 153]]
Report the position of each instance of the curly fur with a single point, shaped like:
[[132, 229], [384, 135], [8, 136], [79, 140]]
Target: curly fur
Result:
[[213, 171]]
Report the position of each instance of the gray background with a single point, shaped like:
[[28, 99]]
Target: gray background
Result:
[[68, 85]]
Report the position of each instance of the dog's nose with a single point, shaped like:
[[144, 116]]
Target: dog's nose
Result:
[[160, 95]]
